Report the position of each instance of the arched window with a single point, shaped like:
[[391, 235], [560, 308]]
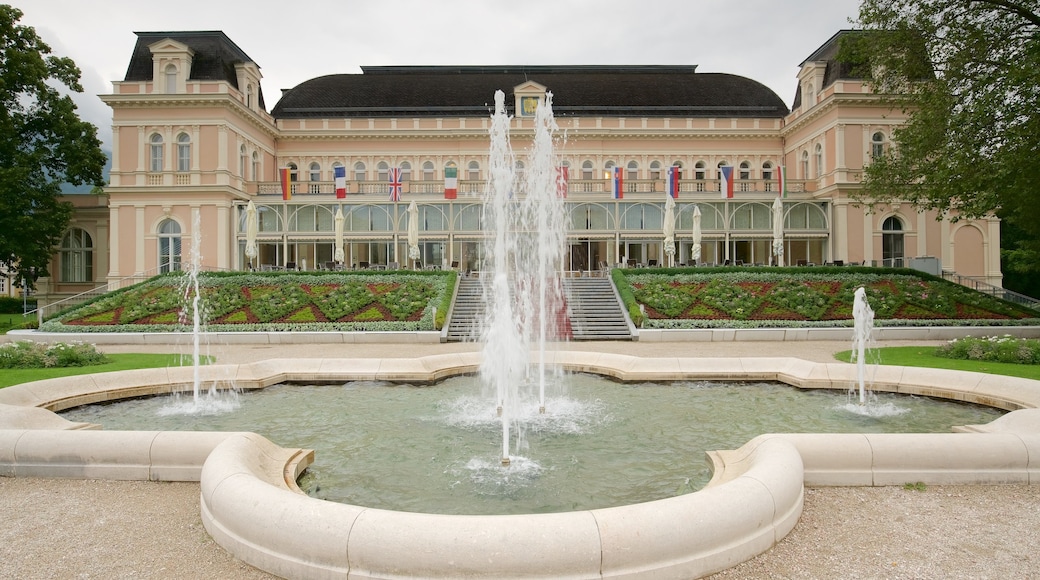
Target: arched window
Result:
[[155, 153], [655, 170], [256, 166], [382, 171], [877, 145], [608, 170], [183, 152], [519, 169], [315, 171], [892, 242], [427, 171], [77, 256], [632, 171], [169, 246], [587, 170], [819, 160], [359, 171], [474, 171], [805, 165], [767, 175], [294, 172], [171, 79], [242, 161], [745, 176], [678, 164], [406, 171]]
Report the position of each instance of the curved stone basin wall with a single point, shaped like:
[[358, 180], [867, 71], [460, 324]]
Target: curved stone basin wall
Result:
[[252, 507]]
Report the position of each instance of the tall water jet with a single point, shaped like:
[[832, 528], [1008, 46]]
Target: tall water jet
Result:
[[522, 257], [863, 328], [194, 265]]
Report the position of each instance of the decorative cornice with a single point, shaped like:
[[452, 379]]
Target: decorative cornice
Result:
[[159, 101], [828, 105]]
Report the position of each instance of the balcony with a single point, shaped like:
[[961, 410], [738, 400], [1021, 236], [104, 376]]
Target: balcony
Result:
[[470, 188]]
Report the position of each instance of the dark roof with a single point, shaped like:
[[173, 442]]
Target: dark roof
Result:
[[836, 70], [456, 91], [215, 56]]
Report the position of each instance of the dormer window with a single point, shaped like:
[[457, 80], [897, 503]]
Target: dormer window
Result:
[[249, 96]]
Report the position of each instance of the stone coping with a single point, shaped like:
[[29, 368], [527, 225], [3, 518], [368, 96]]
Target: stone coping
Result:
[[426, 337], [252, 507]]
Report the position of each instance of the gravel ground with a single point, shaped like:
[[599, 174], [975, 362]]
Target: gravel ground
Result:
[[56, 528]]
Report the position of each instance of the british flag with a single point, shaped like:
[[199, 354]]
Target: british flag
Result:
[[395, 184]]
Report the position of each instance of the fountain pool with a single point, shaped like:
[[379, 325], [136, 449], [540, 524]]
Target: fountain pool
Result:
[[600, 443]]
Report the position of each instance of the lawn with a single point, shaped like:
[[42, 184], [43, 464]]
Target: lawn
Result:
[[119, 362], [922, 356], [14, 321]]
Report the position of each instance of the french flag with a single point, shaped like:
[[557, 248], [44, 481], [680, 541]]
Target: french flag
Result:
[[340, 173], [673, 182], [726, 181], [619, 183]]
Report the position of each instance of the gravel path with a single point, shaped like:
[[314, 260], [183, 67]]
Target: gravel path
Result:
[[56, 528]]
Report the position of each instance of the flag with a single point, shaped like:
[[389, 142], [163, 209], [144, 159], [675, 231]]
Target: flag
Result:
[[673, 182], [726, 181], [286, 180], [562, 174], [451, 183], [781, 175], [340, 173], [395, 184], [619, 183]]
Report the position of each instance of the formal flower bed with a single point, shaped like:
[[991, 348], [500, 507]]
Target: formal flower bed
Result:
[[776, 297], [239, 301]]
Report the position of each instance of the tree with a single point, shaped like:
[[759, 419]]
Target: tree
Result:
[[967, 72], [42, 144]]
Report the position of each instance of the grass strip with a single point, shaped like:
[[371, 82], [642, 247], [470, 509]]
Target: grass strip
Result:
[[119, 362], [924, 356]]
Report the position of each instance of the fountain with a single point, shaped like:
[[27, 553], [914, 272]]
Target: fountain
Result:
[[213, 400], [521, 285], [863, 318]]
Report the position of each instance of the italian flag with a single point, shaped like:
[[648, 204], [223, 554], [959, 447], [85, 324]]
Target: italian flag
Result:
[[451, 183]]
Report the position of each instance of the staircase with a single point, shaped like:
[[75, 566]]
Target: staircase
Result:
[[593, 311], [468, 312]]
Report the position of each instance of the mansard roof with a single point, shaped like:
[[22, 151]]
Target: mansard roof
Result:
[[456, 91], [835, 69], [215, 56]]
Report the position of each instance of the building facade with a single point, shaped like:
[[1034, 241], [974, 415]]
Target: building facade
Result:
[[193, 140]]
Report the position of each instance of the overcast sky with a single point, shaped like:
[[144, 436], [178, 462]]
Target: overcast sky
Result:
[[292, 42]]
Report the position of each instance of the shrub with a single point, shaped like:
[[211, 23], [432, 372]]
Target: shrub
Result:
[[26, 354], [1004, 349]]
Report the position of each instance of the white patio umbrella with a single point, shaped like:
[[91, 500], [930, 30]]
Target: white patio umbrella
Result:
[[669, 230], [778, 231], [695, 254], [413, 231], [339, 219], [252, 227]]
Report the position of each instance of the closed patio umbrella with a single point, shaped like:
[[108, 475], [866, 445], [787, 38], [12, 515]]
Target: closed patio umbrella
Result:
[[252, 227], [413, 231], [339, 219], [778, 231], [669, 230], [696, 252]]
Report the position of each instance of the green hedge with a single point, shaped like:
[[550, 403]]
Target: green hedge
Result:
[[9, 305]]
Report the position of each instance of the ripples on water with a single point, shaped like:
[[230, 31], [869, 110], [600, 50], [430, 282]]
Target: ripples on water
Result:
[[599, 444]]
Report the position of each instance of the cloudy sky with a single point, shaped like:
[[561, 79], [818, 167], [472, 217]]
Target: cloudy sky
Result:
[[292, 42]]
